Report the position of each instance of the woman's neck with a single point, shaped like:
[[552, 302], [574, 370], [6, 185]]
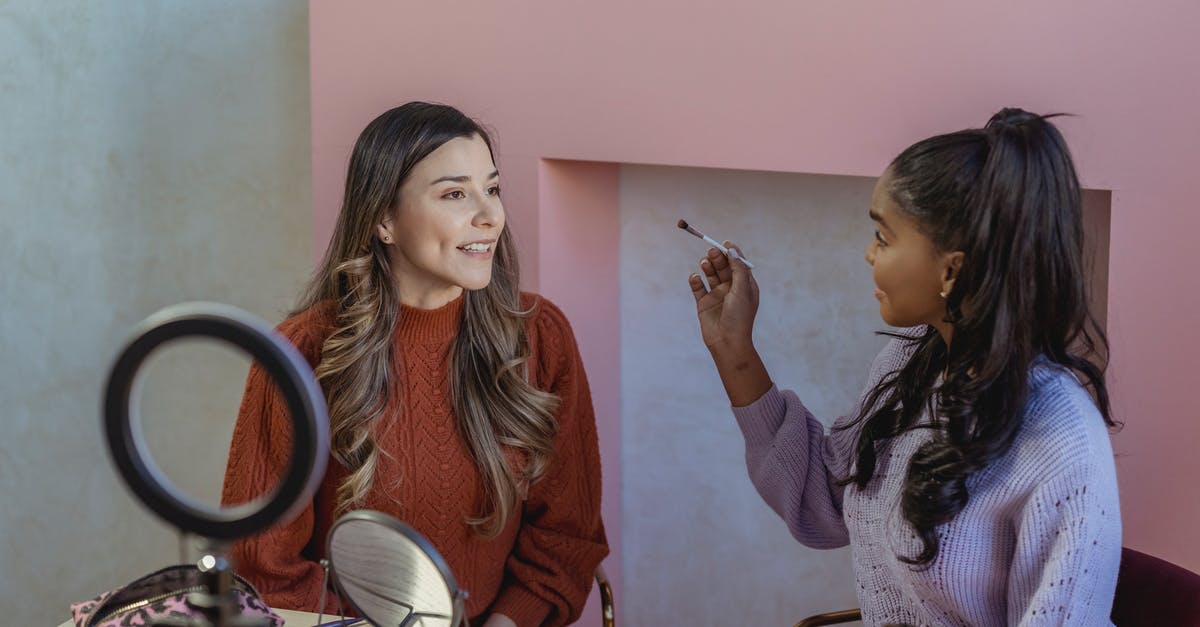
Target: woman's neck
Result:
[[428, 298], [946, 330]]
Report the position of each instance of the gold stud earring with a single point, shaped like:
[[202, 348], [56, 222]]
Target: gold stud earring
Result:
[[943, 295]]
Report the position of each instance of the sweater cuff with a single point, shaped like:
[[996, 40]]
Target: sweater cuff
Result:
[[761, 419], [525, 608]]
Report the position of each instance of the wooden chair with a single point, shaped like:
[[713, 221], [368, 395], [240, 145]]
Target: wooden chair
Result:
[[831, 618], [1150, 593]]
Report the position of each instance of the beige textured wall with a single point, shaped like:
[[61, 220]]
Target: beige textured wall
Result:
[[701, 547], [150, 153]]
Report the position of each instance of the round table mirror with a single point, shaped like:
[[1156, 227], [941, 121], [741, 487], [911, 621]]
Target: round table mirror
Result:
[[391, 574]]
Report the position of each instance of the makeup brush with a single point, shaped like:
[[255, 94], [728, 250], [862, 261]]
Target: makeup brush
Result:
[[731, 252]]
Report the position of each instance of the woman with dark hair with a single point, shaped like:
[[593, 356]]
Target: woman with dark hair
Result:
[[975, 482], [456, 403]]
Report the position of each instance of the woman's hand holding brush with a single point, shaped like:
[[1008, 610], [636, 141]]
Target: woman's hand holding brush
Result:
[[726, 309]]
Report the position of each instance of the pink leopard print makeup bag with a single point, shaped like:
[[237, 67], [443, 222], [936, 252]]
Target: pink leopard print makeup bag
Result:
[[163, 594]]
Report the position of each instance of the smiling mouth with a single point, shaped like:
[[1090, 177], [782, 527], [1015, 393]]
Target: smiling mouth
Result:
[[477, 247]]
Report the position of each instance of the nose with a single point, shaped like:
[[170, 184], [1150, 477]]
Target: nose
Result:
[[869, 255], [489, 212]]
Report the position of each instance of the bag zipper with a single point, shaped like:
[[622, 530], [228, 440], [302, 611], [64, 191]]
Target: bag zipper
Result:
[[144, 602], [237, 584]]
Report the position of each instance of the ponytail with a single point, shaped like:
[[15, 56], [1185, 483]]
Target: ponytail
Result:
[[1008, 197]]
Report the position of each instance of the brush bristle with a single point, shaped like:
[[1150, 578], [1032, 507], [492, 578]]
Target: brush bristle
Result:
[[682, 224]]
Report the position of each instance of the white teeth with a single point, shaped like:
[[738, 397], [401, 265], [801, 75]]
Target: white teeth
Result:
[[477, 248]]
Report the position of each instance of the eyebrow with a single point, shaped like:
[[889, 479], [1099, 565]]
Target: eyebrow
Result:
[[878, 218], [463, 178]]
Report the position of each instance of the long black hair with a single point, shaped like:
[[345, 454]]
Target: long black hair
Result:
[[1007, 196]]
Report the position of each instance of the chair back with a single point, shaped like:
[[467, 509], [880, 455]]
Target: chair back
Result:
[[1154, 592]]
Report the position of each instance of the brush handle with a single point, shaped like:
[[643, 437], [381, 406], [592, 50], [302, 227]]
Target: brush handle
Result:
[[714, 243], [732, 253], [738, 255]]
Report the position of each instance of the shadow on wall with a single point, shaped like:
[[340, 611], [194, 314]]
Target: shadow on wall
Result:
[[153, 154]]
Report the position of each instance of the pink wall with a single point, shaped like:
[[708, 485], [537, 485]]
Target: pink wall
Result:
[[579, 221], [821, 87]]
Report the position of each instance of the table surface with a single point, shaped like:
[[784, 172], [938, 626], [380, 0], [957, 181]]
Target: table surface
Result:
[[290, 619]]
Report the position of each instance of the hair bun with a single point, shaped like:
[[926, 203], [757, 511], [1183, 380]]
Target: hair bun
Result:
[[1011, 117]]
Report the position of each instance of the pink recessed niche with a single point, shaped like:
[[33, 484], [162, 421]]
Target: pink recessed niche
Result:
[[815, 87]]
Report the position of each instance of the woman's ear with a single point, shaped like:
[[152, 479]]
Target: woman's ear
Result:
[[383, 231], [951, 265]]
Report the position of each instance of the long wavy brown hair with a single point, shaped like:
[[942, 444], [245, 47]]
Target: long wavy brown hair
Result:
[[496, 406]]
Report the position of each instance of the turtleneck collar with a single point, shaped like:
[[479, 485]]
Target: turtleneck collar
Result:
[[430, 325]]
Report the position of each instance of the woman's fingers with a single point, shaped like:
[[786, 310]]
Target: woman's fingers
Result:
[[698, 289], [710, 273], [739, 266], [721, 264], [740, 278]]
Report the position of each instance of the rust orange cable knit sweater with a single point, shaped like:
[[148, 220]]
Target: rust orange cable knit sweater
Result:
[[537, 571]]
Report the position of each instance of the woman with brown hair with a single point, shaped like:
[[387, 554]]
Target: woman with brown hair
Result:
[[456, 403]]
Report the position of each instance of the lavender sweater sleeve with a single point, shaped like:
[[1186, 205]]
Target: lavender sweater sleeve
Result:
[[789, 458], [795, 465]]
